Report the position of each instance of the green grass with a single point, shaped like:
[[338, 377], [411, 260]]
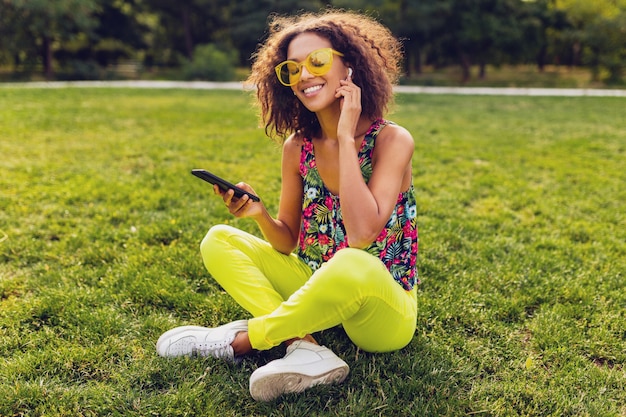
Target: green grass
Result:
[[522, 209]]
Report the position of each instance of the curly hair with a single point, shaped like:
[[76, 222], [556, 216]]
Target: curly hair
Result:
[[368, 47]]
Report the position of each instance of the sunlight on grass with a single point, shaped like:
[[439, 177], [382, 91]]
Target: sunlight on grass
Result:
[[522, 255]]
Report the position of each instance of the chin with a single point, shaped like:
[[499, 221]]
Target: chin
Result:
[[318, 104]]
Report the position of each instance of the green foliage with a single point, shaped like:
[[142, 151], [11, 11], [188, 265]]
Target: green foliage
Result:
[[248, 23], [33, 26], [436, 33], [210, 63], [606, 38], [522, 256]]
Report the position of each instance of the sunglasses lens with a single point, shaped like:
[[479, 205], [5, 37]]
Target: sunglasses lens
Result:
[[319, 62], [288, 72], [293, 72]]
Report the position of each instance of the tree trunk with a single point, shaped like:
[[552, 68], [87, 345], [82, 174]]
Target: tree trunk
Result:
[[465, 66], [418, 61], [187, 31], [47, 57], [541, 58]]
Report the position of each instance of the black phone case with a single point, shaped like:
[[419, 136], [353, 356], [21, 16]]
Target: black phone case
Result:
[[222, 183]]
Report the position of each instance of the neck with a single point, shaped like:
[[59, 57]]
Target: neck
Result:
[[329, 120]]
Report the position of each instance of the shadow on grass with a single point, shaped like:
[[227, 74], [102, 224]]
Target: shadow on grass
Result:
[[421, 379]]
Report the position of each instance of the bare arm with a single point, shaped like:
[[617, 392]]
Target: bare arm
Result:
[[281, 232], [366, 208]]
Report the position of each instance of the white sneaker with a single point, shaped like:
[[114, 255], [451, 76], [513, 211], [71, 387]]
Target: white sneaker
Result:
[[201, 341], [305, 365]]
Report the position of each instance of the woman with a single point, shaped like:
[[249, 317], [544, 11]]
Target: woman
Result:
[[343, 247]]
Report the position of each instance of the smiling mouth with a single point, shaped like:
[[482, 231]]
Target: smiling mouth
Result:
[[313, 89]]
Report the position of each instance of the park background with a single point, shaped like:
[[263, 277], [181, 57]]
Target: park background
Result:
[[521, 208], [552, 43]]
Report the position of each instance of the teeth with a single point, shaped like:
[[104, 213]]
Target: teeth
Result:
[[312, 89]]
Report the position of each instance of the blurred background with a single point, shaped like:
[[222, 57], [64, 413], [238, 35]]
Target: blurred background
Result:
[[547, 43]]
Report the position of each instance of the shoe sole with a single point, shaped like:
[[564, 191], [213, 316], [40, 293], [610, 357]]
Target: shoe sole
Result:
[[270, 387]]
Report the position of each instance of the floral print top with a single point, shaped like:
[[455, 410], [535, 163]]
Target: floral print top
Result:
[[322, 232]]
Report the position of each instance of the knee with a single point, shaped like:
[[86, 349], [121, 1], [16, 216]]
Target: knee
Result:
[[216, 235], [214, 241], [386, 338], [355, 266]]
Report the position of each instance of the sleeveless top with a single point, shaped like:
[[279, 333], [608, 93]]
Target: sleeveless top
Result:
[[322, 232]]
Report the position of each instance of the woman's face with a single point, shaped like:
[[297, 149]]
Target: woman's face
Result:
[[315, 92]]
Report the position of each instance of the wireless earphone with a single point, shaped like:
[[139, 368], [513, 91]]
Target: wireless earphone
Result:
[[349, 72]]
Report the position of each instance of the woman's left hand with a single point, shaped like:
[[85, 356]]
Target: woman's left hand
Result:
[[240, 207], [350, 95]]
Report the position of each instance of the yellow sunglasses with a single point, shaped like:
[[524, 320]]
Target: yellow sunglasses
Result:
[[317, 63]]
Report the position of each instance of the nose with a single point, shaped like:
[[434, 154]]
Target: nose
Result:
[[305, 74]]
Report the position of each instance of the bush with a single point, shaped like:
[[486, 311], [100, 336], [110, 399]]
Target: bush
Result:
[[211, 63], [76, 69]]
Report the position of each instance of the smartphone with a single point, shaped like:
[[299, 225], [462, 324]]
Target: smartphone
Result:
[[222, 183]]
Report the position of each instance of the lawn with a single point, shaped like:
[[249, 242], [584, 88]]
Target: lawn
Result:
[[522, 212]]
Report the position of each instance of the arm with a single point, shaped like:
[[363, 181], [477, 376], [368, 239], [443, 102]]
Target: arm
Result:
[[282, 233], [366, 208]]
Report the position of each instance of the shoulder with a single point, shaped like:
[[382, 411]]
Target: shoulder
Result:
[[293, 144], [396, 138], [292, 151], [294, 141]]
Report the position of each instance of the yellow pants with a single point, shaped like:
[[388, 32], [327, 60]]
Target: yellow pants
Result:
[[287, 300]]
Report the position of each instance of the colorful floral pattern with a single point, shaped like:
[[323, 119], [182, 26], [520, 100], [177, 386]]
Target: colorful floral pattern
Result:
[[322, 232]]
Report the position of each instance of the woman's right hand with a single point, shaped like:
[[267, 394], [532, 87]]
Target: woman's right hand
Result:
[[351, 107]]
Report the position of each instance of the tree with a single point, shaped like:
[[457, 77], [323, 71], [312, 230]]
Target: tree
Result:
[[12, 38], [42, 23], [479, 31], [36, 33], [185, 24], [249, 20], [542, 25], [413, 22], [606, 40], [119, 33], [580, 15]]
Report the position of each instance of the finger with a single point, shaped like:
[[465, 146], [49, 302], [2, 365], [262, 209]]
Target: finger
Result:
[[228, 197], [351, 88], [343, 92], [350, 97], [242, 202], [240, 206]]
